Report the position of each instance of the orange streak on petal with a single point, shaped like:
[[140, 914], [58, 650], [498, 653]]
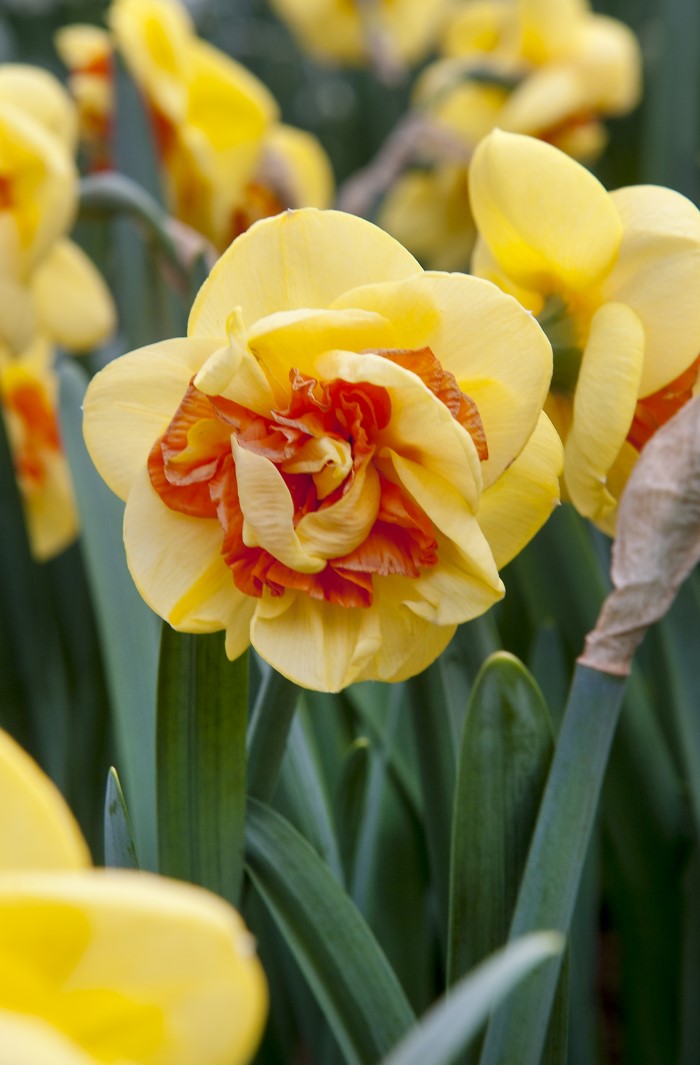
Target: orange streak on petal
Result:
[[654, 411]]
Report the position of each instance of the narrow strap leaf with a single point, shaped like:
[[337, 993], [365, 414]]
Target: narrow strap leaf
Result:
[[120, 852], [451, 1024], [128, 630], [334, 947], [557, 855], [270, 721], [202, 716]]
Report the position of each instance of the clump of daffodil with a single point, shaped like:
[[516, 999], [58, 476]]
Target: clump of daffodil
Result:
[[547, 68], [613, 278], [226, 160], [358, 32], [108, 965], [50, 292], [337, 459]]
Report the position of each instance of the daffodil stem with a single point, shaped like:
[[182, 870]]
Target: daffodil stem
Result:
[[557, 856], [268, 729]]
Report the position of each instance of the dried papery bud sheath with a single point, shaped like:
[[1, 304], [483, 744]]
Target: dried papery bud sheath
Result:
[[657, 544]]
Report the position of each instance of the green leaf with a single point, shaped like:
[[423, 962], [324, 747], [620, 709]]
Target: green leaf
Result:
[[270, 721], [350, 799], [504, 758], [120, 852], [301, 796], [452, 1023], [334, 947], [556, 859], [128, 630], [201, 761]]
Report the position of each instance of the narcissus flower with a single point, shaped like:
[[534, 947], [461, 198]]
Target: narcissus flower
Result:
[[547, 68], [225, 159], [336, 461], [613, 278], [108, 965], [354, 33], [28, 401], [87, 53]]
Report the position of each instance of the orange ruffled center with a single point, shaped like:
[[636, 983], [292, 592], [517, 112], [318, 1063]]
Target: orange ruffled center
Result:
[[192, 469], [655, 410], [39, 430]]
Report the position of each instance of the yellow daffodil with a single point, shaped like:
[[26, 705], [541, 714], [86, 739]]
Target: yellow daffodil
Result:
[[28, 401], [557, 67], [354, 32], [37, 93], [547, 68], [226, 161], [87, 53], [613, 278], [337, 459], [107, 965]]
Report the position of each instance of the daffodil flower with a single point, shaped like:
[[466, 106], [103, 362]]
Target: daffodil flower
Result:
[[28, 402], [337, 459], [226, 160], [86, 51], [613, 278], [109, 965], [547, 68], [355, 32]]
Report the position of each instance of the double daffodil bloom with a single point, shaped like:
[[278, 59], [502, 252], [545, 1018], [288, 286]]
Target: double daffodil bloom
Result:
[[547, 68], [337, 459], [354, 32], [613, 278], [87, 53], [106, 965], [50, 292], [226, 161]]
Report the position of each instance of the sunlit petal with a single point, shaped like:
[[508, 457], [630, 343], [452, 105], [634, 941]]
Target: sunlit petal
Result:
[[72, 300]]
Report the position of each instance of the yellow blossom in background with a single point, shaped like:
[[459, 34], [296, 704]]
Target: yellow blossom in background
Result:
[[87, 53], [226, 161], [337, 459], [50, 293], [108, 965], [548, 68], [28, 401], [613, 279], [356, 32]]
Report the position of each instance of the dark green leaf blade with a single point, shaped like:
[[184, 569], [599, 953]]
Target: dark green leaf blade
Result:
[[345, 967], [120, 852]]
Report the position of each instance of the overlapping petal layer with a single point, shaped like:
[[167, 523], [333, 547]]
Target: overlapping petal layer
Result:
[[99, 965], [306, 469]]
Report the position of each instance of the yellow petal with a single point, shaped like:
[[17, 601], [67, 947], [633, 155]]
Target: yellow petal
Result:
[[130, 404], [658, 276], [268, 512], [42, 186], [604, 405], [337, 529], [73, 302], [609, 59], [153, 38], [548, 222], [319, 645], [50, 509], [497, 352], [409, 644], [27, 1040], [421, 427], [300, 259], [475, 28], [18, 320], [295, 339], [41, 95], [518, 504], [176, 564], [484, 265], [456, 589], [133, 967], [82, 45], [305, 169], [546, 99], [37, 829], [549, 28]]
